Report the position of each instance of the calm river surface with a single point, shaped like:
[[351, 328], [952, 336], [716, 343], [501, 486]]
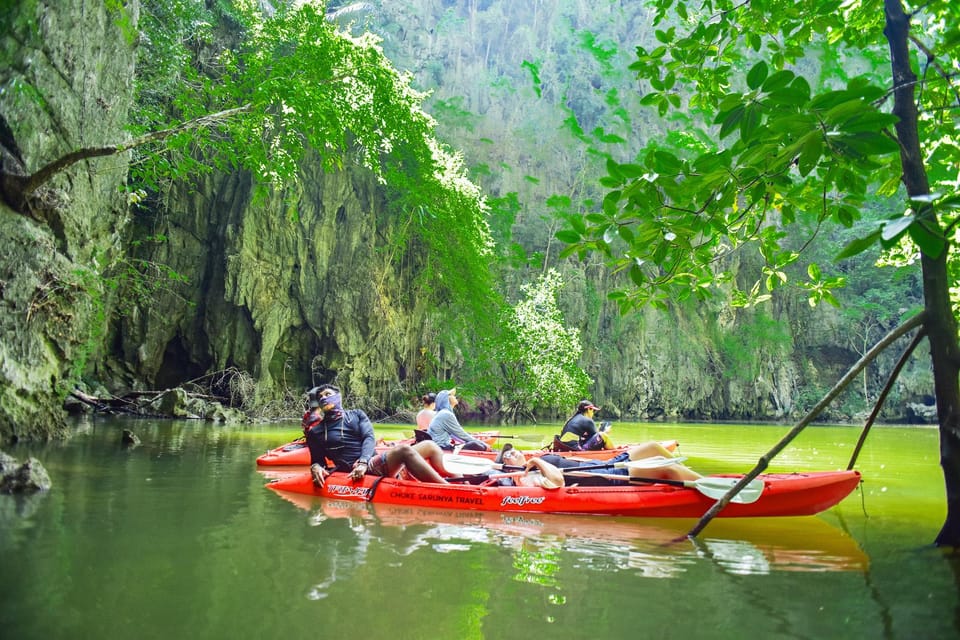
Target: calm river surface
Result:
[[178, 538]]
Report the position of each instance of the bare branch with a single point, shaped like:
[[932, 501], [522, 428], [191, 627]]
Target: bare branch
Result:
[[764, 461], [16, 189]]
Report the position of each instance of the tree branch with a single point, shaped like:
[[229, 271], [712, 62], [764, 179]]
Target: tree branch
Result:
[[17, 189], [932, 61], [764, 461], [884, 393]]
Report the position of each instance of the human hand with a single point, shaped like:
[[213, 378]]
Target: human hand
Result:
[[318, 474], [359, 470]]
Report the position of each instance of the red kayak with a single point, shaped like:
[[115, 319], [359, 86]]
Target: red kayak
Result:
[[774, 494], [296, 452]]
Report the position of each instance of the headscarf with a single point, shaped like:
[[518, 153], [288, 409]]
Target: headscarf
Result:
[[337, 411]]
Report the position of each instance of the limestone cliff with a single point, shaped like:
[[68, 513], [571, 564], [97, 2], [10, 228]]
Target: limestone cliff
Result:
[[301, 287], [66, 69]]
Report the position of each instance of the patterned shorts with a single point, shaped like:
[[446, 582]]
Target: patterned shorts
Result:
[[377, 465]]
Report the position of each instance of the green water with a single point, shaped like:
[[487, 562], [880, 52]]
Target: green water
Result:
[[178, 538]]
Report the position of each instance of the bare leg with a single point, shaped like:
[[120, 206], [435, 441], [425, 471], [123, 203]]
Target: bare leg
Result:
[[672, 472], [433, 454], [649, 450], [406, 456]]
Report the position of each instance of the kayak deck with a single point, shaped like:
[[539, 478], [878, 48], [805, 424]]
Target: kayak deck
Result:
[[296, 453], [784, 494]]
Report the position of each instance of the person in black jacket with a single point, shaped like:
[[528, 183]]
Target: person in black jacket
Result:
[[345, 437], [580, 431]]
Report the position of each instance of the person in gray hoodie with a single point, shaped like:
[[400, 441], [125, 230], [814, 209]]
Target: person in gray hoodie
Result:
[[445, 429]]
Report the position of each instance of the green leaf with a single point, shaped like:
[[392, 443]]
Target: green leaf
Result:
[[631, 170], [757, 75], [847, 215], [892, 230], [666, 162], [613, 169], [567, 236], [871, 143], [778, 80], [611, 203], [891, 186], [930, 244], [610, 183], [810, 153], [577, 224], [731, 121], [750, 121], [829, 298]]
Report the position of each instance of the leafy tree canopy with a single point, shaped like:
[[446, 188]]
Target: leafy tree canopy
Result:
[[764, 148], [541, 358], [767, 150], [247, 86]]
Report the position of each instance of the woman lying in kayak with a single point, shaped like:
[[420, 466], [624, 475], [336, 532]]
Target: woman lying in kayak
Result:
[[549, 469]]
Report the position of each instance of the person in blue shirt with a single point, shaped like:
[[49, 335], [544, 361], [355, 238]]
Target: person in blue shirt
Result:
[[346, 438], [445, 429]]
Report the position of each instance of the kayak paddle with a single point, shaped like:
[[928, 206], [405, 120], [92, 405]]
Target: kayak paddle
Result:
[[711, 487], [475, 465]]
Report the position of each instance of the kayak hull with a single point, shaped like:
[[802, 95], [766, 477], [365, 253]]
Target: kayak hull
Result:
[[784, 494]]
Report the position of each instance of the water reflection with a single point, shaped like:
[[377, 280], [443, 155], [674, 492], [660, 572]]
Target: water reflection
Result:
[[652, 548]]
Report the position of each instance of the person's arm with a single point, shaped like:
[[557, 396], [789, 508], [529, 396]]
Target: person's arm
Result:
[[318, 470], [589, 427], [552, 476], [440, 428], [368, 443], [454, 429]]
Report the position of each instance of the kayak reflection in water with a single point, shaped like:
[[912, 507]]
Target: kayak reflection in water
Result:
[[549, 471]]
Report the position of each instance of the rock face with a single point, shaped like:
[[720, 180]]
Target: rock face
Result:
[[66, 69], [300, 287]]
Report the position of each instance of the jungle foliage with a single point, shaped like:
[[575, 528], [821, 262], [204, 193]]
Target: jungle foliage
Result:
[[770, 153]]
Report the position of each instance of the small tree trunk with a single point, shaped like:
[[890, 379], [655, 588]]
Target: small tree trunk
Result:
[[941, 325]]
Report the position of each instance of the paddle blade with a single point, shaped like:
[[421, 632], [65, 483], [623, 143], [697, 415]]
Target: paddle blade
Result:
[[467, 465], [716, 488], [654, 462]]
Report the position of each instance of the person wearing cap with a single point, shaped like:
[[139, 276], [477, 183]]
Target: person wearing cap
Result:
[[580, 432], [426, 414], [346, 438], [445, 429]]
